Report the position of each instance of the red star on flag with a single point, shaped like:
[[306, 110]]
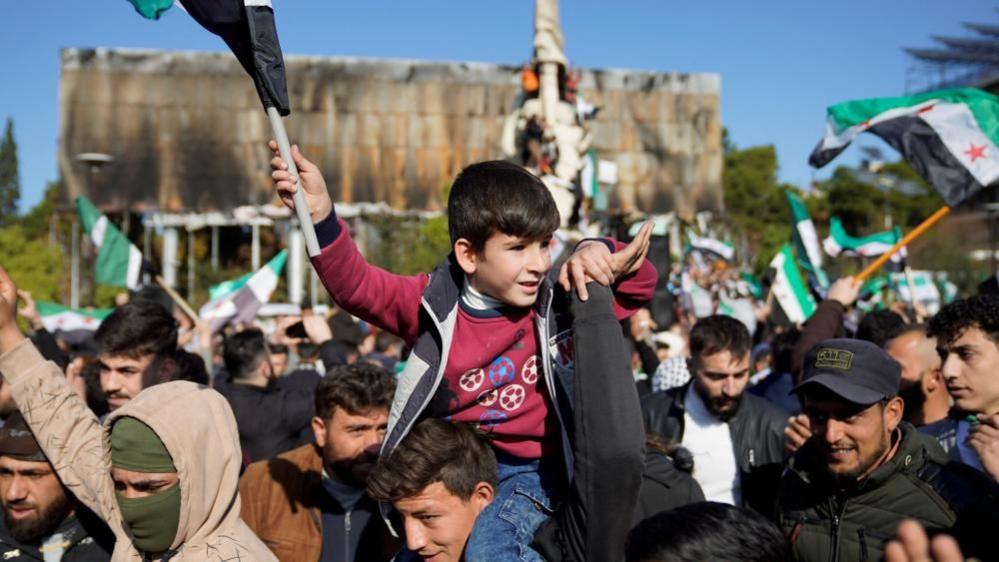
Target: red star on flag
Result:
[[975, 152]]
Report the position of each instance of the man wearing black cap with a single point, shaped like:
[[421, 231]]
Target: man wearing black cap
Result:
[[41, 519], [864, 470]]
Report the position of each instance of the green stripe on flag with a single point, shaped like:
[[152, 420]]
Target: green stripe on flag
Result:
[[981, 104], [51, 308]]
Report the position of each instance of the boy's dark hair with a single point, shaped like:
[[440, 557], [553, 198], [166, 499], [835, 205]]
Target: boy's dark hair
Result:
[[499, 196], [137, 329], [453, 454], [357, 389], [877, 325], [243, 352], [980, 312], [706, 531], [718, 333]]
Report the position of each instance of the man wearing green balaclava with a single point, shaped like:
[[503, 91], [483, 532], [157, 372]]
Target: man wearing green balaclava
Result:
[[162, 471], [147, 487]]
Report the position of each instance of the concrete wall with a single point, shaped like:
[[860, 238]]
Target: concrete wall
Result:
[[187, 130]]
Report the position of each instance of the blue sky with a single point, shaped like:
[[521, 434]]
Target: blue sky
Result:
[[781, 62]]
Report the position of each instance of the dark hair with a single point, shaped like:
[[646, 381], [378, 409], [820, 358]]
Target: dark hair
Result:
[[137, 329], [499, 196], [97, 401], [435, 450], [980, 312], [783, 346], [905, 329], [243, 352], [714, 334], [190, 367], [876, 325], [706, 531], [277, 348], [357, 388]]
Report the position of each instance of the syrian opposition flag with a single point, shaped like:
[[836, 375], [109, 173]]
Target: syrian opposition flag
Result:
[[806, 240], [244, 296], [717, 248], [923, 289], [950, 137], [840, 242], [247, 27], [119, 262], [58, 318], [789, 288]]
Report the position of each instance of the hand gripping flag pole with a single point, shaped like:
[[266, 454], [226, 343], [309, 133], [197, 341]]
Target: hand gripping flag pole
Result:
[[248, 28], [301, 207]]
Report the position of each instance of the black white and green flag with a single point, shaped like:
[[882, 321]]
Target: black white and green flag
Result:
[[951, 137], [716, 248], [119, 262], [840, 242], [806, 240], [789, 289]]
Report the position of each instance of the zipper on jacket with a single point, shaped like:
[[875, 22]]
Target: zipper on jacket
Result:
[[862, 537], [835, 539], [346, 530]]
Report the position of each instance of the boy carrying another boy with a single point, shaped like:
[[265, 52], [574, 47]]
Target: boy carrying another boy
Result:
[[490, 333]]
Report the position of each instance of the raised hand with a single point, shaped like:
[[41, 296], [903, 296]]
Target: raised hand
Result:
[[10, 335], [29, 311], [593, 261], [313, 184], [797, 433], [912, 545]]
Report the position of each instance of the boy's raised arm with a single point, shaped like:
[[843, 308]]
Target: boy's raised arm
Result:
[[389, 301]]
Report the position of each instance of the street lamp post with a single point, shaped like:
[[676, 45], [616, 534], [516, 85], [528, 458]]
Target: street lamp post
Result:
[[94, 162]]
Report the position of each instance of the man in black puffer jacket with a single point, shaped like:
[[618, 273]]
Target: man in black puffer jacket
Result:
[[736, 438], [864, 470]]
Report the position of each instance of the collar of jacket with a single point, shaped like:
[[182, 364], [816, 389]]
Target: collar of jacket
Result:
[[443, 292], [910, 456]]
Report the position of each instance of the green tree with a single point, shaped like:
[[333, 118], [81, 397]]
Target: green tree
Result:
[[33, 264], [10, 184], [755, 202]]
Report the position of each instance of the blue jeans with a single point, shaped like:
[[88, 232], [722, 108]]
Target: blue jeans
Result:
[[505, 528]]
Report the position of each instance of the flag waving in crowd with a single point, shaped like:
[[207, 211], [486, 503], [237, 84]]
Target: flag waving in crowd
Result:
[[951, 137], [119, 262], [806, 241], [240, 299], [840, 242]]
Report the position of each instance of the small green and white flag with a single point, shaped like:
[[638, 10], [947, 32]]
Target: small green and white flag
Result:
[[950, 137], [717, 248], [58, 318], [119, 262], [839, 241], [924, 290], [242, 298], [789, 289], [806, 240]]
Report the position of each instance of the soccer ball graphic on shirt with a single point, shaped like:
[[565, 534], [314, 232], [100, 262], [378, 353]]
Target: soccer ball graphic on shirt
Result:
[[511, 397], [488, 397], [472, 380], [502, 371], [530, 371]]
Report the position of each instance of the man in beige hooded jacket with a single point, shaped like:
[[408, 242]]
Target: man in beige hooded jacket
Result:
[[192, 423]]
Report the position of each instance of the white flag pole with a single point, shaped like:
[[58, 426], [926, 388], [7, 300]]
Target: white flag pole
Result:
[[301, 207]]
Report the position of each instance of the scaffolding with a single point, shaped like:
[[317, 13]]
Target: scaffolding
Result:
[[956, 61]]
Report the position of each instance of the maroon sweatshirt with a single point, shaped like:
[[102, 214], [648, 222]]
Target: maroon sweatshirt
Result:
[[493, 377]]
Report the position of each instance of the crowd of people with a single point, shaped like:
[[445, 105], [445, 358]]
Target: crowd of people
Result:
[[509, 405]]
